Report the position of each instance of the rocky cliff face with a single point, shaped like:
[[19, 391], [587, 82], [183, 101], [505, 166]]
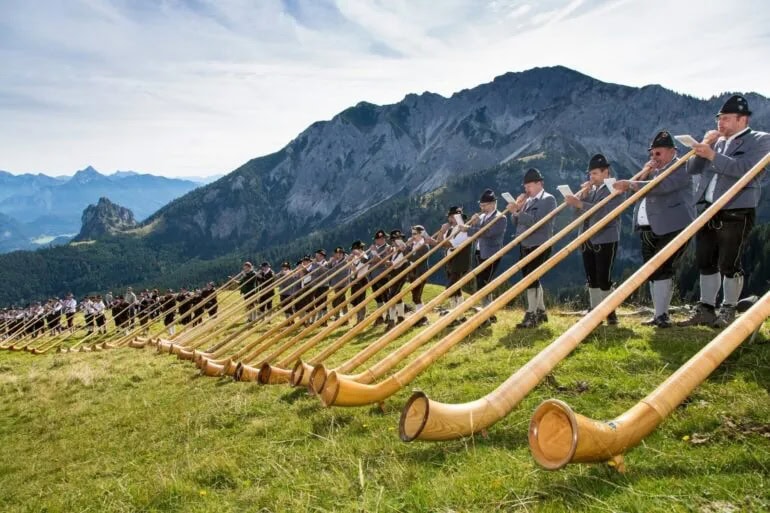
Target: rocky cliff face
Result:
[[104, 219], [336, 170]]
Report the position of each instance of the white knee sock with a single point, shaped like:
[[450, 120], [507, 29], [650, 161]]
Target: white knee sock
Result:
[[594, 297], [392, 313], [418, 307], [709, 288], [661, 297], [531, 300], [400, 310], [540, 298], [732, 288]]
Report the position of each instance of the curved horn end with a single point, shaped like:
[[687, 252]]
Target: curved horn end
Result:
[[248, 373], [230, 367], [136, 344], [276, 376], [343, 391], [175, 349], [413, 416], [107, 345], [213, 370], [185, 354], [553, 434], [298, 372], [317, 379]]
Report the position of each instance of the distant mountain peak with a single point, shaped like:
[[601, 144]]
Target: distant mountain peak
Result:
[[104, 219]]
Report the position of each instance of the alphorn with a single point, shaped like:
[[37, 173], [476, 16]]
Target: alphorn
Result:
[[228, 312], [342, 391], [227, 318], [317, 373], [558, 435], [300, 373], [253, 349], [217, 367], [129, 337], [267, 373], [430, 420]]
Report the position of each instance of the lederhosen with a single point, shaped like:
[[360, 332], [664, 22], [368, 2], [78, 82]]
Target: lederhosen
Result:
[[598, 259]]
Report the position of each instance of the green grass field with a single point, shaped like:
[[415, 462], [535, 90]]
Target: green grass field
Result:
[[129, 430]]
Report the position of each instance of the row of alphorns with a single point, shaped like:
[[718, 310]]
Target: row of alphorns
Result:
[[258, 350], [292, 350]]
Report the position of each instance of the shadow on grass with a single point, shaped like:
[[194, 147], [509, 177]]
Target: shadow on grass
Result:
[[751, 359]]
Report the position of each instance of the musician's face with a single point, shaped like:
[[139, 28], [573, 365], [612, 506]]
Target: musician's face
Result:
[[379, 241], [532, 189], [488, 207], [597, 176], [730, 124], [662, 156]]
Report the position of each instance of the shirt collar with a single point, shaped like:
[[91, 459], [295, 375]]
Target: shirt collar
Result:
[[738, 134]]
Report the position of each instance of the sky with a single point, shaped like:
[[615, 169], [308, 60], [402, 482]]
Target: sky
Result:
[[198, 87]]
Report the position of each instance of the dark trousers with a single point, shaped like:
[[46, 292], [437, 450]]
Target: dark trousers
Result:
[[382, 279], [719, 245], [486, 275], [396, 288], [652, 244], [598, 260], [452, 278], [534, 264], [339, 297], [417, 293], [358, 285], [321, 295]]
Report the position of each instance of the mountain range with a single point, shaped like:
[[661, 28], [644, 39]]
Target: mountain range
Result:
[[388, 166], [41, 210]]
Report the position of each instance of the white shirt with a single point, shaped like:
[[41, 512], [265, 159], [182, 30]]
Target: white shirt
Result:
[[70, 305], [709, 196], [539, 195]]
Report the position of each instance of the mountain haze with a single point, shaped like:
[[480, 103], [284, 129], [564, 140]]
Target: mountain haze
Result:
[[46, 207]]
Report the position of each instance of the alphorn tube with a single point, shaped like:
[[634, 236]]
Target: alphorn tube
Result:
[[315, 371], [558, 435], [280, 373], [248, 329], [346, 392], [300, 373], [430, 420], [246, 372], [209, 367]]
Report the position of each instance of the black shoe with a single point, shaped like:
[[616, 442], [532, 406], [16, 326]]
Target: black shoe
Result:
[[612, 319], [529, 321], [541, 317], [391, 325], [702, 316], [456, 322], [379, 321], [725, 318], [492, 319], [443, 312], [422, 322], [650, 322], [400, 319], [663, 321]]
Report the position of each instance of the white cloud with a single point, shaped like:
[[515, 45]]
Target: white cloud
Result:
[[192, 87]]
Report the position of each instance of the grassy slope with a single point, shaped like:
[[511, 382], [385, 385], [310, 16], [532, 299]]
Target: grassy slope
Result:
[[128, 430]]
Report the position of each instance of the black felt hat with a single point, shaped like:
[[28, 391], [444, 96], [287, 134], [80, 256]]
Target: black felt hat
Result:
[[488, 196], [307, 258], [736, 104], [380, 234], [455, 210], [662, 139], [533, 175], [286, 265], [339, 249], [358, 244], [265, 264], [396, 234], [598, 161], [321, 252]]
